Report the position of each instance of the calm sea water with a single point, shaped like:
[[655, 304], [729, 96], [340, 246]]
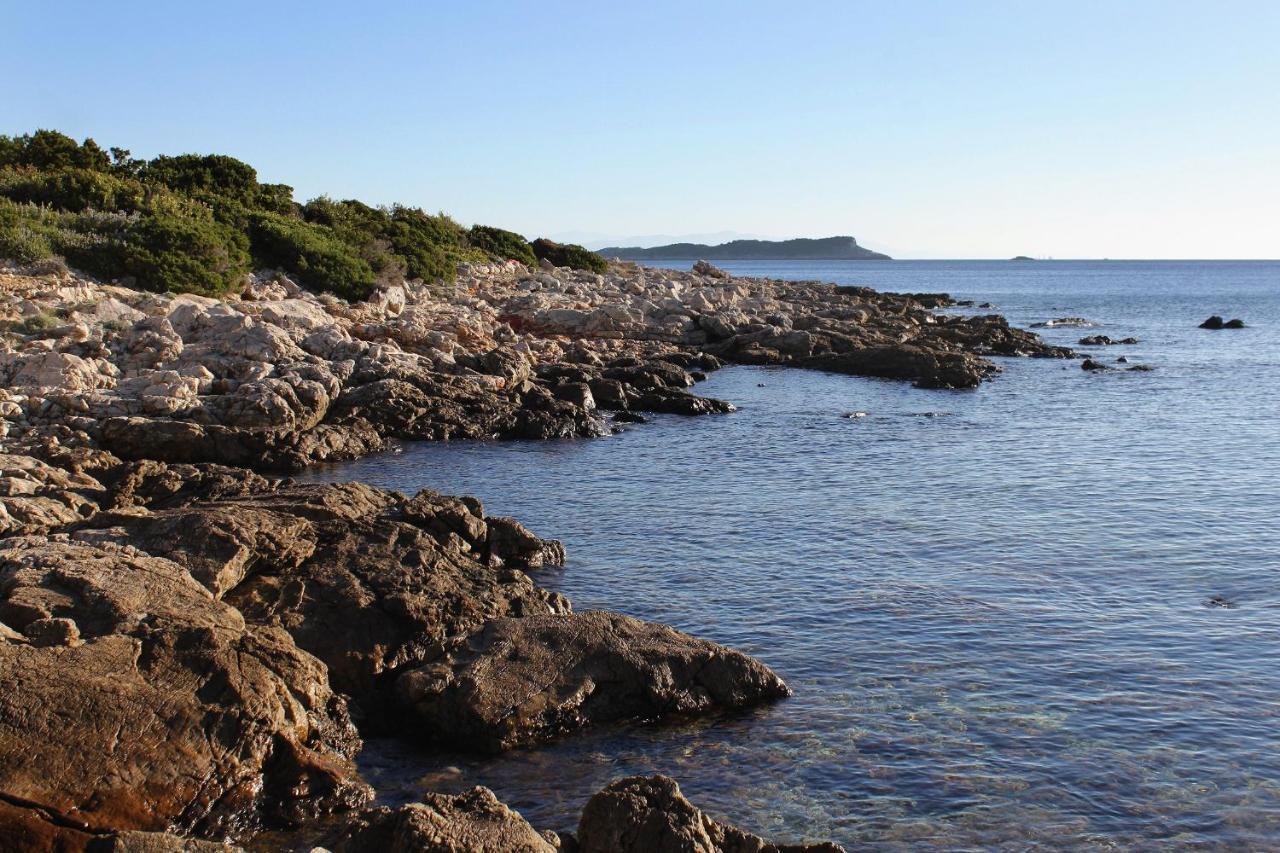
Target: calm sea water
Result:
[[1040, 614]]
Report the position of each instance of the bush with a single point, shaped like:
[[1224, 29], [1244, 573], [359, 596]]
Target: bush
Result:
[[48, 149], [313, 254], [192, 223], [37, 323], [22, 243], [432, 246], [72, 189], [185, 255], [229, 186], [504, 245], [569, 255]]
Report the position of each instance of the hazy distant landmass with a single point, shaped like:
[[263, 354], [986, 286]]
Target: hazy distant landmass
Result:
[[802, 249]]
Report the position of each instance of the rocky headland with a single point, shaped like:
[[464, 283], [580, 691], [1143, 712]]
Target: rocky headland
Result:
[[800, 249], [192, 647]]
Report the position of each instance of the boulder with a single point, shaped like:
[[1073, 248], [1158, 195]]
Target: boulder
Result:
[[441, 823], [522, 681], [708, 269], [650, 814], [144, 703], [1062, 321], [399, 576], [160, 842], [508, 542], [1104, 341]]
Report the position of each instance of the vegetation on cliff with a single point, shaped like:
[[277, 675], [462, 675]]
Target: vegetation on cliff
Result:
[[199, 223]]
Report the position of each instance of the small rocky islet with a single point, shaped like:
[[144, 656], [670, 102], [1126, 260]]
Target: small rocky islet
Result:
[[192, 647]]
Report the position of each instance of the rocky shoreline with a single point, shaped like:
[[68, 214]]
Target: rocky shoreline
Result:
[[191, 649]]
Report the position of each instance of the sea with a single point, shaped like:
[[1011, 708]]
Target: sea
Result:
[[1040, 614]]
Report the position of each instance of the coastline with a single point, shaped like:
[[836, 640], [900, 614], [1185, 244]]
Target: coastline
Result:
[[138, 420]]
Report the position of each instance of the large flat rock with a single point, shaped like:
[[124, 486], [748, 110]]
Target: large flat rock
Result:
[[521, 681]]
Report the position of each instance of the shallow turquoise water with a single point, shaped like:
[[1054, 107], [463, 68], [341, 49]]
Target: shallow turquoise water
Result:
[[999, 608]]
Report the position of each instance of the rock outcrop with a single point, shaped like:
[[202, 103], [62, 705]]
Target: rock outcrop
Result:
[[521, 681], [280, 377], [170, 661], [190, 650], [1216, 322], [130, 697], [472, 821]]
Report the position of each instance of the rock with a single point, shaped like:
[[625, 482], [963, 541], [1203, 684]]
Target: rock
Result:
[[650, 814], [168, 711], [181, 638], [1216, 322], [510, 543], [708, 269], [927, 368], [160, 842], [42, 370], [473, 821], [399, 575], [1122, 360], [1090, 364], [218, 545], [52, 632], [283, 377], [1062, 321], [675, 402], [521, 681], [1103, 340], [28, 827], [578, 393]]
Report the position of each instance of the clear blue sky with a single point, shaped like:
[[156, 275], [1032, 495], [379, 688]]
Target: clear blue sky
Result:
[[942, 129]]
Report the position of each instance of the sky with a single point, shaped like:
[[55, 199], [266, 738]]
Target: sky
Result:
[[925, 129]]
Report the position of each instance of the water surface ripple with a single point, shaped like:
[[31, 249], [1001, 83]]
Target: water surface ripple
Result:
[[1001, 609]]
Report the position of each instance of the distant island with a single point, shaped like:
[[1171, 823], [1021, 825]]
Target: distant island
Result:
[[802, 249], [1022, 258]]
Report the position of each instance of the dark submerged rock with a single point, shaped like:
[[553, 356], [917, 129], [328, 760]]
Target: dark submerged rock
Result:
[[1062, 321], [1103, 341]]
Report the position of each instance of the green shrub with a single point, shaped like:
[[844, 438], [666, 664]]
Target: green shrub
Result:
[[185, 256], [229, 186], [72, 189], [505, 245], [36, 323], [48, 149], [569, 255], [313, 254], [22, 243], [194, 222], [432, 246]]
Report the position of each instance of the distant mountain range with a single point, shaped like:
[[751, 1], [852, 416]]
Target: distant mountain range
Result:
[[803, 249]]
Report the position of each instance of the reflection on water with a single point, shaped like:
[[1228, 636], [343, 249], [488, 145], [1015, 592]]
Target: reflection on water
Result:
[[1003, 625]]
